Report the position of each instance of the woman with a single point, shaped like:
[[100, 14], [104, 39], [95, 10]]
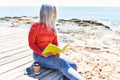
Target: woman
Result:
[[40, 35]]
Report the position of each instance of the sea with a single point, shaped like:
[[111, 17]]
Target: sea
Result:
[[109, 16]]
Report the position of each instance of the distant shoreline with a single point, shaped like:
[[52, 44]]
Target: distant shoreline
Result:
[[28, 20]]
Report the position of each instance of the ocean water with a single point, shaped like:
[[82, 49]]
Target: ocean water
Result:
[[109, 16]]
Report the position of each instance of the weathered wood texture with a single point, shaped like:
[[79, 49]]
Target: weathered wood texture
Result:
[[15, 56]]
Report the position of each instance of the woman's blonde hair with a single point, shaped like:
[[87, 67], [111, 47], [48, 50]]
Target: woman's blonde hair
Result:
[[45, 16]]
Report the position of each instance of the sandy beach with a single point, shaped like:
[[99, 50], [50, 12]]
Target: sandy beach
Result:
[[93, 46]]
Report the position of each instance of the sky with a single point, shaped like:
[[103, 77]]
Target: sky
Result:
[[103, 3]]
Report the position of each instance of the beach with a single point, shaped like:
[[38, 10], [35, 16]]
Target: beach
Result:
[[94, 46]]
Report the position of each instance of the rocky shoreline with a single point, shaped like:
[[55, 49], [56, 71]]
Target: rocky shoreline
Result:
[[93, 45], [28, 20]]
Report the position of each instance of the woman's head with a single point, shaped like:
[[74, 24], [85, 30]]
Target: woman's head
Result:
[[48, 14]]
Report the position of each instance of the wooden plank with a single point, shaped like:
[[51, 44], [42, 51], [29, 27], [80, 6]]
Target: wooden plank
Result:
[[12, 36], [11, 47], [55, 75], [13, 65], [4, 50], [13, 76], [15, 57], [13, 41], [45, 75], [16, 72], [24, 77], [13, 52], [11, 31]]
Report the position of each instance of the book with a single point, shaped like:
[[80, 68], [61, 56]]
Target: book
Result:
[[54, 49]]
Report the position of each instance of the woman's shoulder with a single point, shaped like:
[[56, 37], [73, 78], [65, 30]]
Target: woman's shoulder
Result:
[[35, 25]]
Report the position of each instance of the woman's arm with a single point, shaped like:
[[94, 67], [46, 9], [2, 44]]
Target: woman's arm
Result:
[[31, 39], [55, 41]]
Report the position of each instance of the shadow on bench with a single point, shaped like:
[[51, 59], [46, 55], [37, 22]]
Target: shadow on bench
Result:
[[44, 74]]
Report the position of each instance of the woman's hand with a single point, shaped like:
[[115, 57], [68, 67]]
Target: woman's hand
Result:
[[58, 55], [48, 54]]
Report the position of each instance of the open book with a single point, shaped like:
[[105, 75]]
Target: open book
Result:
[[54, 49]]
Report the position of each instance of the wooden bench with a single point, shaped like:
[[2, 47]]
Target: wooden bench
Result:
[[15, 56], [46, 74]]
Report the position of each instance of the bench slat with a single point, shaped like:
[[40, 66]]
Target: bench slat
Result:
[[13, 65], [4, 50], [15, 57], [55, 75], [12, 37], [16, 72], [13, 52]]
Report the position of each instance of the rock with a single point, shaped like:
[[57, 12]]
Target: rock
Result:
[[24, 16], [35, 17], [85, 25], [57, 24], [15, 17], [117, 32], [20, 19], [107, 27], [75, 20], [28, 22], [83, 22], [1, 19], [7, 17], [86, 21], [15, 22], [12, 26]]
